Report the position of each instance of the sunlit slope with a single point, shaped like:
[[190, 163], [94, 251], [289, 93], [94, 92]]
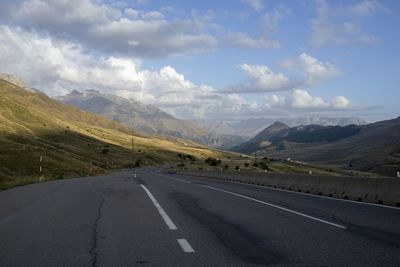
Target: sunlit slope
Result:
[[32, 124]]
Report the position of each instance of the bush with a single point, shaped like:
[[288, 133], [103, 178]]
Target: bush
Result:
[[138, 162], [104, 150], [212, 161], [237, 168], [246, 164], [189, 157], [263, 166]]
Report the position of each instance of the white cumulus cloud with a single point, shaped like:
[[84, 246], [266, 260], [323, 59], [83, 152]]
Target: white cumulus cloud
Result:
[[57, 67], [110, 30], [314, 70], [300, 99]]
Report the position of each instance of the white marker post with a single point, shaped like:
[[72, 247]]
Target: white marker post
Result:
[[40, 168], [398, 174]]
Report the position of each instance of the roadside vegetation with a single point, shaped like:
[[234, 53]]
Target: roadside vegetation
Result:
[[74, 143]]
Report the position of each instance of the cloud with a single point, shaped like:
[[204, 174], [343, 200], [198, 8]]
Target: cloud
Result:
[[263, 79], [57, 67], [108, 29], [260, 78], [342, 25], [366, 8], [315, 71], [257, 5], [243, 40], [262, 40], [300, 99]]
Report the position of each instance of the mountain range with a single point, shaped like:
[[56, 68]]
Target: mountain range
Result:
[[145, 118], [250, 127], [36, 130], [31, 123], [373, 147]]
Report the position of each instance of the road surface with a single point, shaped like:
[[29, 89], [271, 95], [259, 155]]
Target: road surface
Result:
[[161, 219]]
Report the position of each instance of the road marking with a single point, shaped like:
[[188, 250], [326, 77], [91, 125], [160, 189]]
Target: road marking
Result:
[[186, 247], [312, 195], [6, 220], [276, 206], [176, 179], [304, 194], [162, 212]]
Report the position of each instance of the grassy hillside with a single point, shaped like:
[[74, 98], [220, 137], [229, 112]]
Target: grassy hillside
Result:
[[134, 114], [72, 142], [373, 147]]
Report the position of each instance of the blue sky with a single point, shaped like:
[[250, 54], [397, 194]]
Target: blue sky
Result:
[[220, 60]]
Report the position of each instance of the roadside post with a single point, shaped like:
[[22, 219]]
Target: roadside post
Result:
[[40, 168]]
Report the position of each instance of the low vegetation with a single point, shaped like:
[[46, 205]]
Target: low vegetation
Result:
[[74, 143]]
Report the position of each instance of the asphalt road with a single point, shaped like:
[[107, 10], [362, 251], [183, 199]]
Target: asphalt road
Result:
[[158, 219]]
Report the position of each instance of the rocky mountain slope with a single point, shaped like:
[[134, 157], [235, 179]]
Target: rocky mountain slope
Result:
[[372, 147], [145, 118], [252, 126], [73, 142]]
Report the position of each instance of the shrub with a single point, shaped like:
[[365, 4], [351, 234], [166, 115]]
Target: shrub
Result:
[[138, 162], [263, 166], [104, 150], [212, 161]]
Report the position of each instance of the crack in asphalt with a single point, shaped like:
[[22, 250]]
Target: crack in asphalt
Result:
[[240, 241], [93, 251]]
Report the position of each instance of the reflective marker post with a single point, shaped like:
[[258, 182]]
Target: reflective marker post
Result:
[[40, 168]]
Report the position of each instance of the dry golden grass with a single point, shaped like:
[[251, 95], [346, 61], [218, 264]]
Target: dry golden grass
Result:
[[34, 125]]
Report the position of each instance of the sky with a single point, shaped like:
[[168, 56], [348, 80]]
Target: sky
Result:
[[213, 60]]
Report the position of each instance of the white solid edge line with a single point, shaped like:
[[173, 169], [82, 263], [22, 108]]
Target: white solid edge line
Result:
[[312, 195], [162, 212], [176, 179], [306, 194], [186, 247], [276, 206]]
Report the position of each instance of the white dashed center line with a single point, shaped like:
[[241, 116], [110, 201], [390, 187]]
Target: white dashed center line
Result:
[[162, 212], [186, 247]]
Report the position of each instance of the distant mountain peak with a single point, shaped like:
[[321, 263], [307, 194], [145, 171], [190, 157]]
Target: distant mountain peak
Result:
[[135, 114], [16, 81], [75, 92], [90, 92], [278, 124]]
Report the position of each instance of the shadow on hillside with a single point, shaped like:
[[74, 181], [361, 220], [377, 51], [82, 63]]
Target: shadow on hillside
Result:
[[64, 154]]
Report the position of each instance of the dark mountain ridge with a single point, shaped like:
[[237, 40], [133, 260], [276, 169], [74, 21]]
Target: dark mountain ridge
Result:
[[372, 147]]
